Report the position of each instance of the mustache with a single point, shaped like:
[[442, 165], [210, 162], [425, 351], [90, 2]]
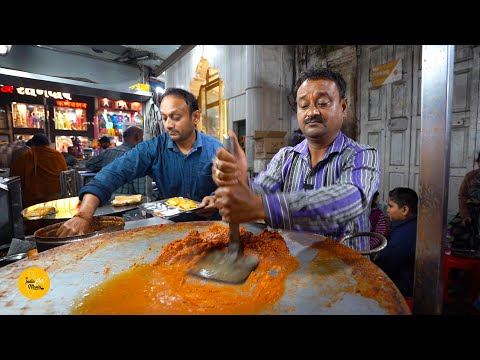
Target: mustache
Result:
[[315, 118]]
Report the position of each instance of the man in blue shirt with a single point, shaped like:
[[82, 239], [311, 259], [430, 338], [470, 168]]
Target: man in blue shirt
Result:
[[179, 160]]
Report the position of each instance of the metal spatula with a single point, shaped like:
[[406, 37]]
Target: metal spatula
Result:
[[231, 266]]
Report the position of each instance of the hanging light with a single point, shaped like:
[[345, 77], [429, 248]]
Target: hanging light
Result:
[[5, 49]]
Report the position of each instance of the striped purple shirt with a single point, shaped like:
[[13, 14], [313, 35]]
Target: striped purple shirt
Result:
[[340, 189]]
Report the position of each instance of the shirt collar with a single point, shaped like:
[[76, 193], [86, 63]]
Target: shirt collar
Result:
[[336, 147], [198, 142]]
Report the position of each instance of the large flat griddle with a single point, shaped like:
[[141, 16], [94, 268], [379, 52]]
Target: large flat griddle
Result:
[[324, 283]]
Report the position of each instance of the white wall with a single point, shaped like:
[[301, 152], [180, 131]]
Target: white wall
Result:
[[263, 70]]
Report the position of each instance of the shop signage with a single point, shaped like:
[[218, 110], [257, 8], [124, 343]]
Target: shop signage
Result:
[[387, 73], [139, 86], [119, 105], [72, 104], [46, 93], [6, 89]]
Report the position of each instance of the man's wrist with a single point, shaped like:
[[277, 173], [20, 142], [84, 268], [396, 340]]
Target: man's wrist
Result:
[[84, 217]]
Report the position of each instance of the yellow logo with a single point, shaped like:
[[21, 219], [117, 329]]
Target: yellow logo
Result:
[[34, 283]]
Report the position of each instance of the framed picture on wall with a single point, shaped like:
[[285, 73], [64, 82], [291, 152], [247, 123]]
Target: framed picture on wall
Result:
[[3, 119]]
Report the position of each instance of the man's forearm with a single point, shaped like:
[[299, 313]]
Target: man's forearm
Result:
[[88, 206]]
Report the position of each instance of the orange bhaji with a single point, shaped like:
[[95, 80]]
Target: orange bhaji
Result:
[[164, 287]]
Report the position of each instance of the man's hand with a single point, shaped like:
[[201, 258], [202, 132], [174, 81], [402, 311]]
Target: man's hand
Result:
[[74, 226], [80, 223], [229, 169], [233, 197], [209, 208], [237, 203]]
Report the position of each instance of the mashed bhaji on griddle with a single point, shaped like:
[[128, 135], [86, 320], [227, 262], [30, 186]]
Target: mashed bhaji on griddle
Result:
[[164, 287]]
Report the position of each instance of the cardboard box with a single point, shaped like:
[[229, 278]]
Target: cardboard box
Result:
[[267, 143]]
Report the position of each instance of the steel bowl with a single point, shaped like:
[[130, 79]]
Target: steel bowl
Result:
[[46, 237]]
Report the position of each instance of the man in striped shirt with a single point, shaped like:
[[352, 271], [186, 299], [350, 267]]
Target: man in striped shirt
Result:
[[324, 184]]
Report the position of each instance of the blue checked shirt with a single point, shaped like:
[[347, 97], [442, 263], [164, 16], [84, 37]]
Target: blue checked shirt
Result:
[[340, 189], [136, 186]]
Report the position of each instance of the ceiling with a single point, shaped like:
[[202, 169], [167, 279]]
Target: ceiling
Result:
[[157, 58]]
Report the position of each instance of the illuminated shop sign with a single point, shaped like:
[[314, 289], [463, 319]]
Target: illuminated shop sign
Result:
[[119, 105], [46, 93], [6, 89], [35, 92], [71, 104]]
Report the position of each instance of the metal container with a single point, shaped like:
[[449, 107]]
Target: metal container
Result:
[[331, 279], [46, 238]]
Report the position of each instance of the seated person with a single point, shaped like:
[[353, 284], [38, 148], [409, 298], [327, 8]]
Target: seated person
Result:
[[469, 196], [397, 260], [39, 169], [378, 222], [71, 156], [104, 143], [131, 137]]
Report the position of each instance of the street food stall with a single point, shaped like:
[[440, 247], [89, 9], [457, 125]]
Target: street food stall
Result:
[[327, 277]]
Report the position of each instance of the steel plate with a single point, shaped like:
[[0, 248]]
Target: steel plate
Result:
[[329, 280]]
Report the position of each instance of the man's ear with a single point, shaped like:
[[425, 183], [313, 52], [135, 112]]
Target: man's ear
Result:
[[345, 107], [405, 210], [196, 116]]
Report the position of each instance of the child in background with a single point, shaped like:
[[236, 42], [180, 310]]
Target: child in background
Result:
[[378, 222], [397, 260]]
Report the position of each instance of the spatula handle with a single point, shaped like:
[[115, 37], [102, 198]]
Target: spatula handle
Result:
[[234, 229]]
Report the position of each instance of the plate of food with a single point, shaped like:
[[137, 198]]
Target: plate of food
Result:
[[125, 200], [171, 207]]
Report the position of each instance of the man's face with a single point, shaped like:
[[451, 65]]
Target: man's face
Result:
[[105, 145], [320, 111], [176, 118]]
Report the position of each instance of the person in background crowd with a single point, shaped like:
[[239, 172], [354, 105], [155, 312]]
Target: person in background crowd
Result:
[[71, 156], [179, 160], [104, 143], [397, 260], [377, 218], [469, 195], [131, 138], [8, 149], [39, 169], [324, 184], [16, 153]]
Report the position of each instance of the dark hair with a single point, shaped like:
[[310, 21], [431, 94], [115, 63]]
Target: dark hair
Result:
[[189, 98], [478, 157], [104, 139], [321, 74], [40, 139], [132, 131], [374, 197], [404, 196], [29, 143]]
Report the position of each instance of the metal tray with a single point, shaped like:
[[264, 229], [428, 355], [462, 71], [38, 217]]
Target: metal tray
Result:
[[66, 208], [161, 209]]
